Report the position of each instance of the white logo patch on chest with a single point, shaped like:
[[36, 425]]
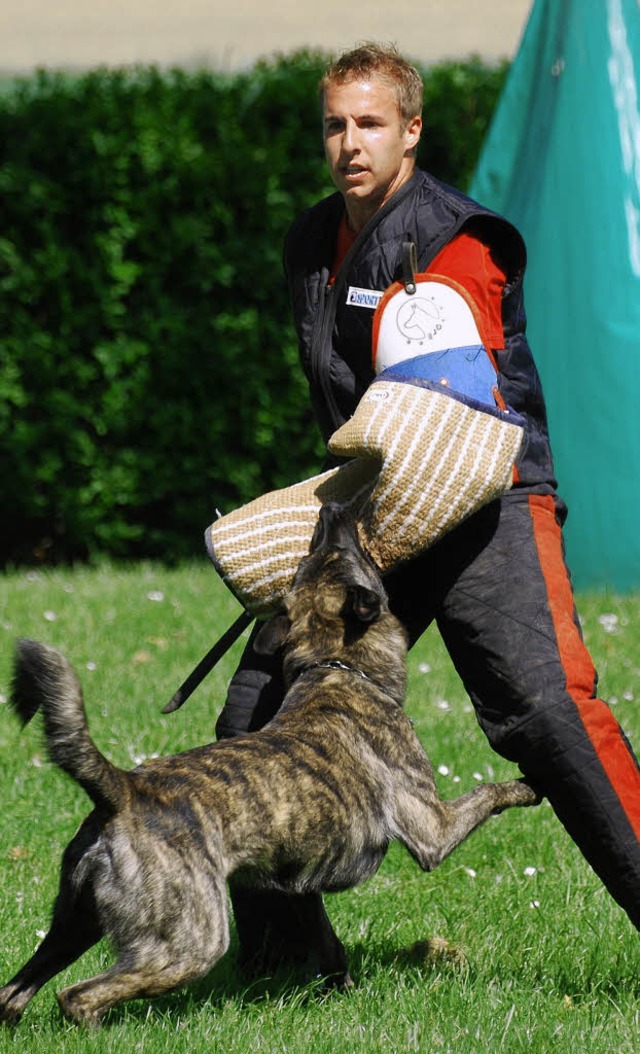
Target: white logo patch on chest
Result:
[[363, 297]]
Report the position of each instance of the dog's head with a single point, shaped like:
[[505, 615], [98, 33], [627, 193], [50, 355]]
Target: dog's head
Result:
[[337, 608]]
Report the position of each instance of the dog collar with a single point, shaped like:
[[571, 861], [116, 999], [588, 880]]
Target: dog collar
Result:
[[337, 664]]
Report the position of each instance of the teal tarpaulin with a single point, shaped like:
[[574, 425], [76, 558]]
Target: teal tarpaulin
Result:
[[562, 162]]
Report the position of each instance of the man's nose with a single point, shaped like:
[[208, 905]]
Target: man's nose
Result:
[[350, 139]]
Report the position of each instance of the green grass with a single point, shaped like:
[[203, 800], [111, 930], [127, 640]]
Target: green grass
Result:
[[551, 963]]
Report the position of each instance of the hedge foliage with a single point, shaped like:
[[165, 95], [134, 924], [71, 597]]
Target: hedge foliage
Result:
[[148, 367]]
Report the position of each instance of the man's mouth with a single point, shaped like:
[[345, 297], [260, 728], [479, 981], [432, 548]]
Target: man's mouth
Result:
[[353, 170]]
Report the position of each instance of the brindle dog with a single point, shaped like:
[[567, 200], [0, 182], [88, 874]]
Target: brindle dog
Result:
[[309, 803]]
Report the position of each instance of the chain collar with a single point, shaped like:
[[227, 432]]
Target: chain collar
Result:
[[337, 664]]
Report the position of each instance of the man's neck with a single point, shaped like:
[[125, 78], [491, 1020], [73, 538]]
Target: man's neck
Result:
[[360, 211]]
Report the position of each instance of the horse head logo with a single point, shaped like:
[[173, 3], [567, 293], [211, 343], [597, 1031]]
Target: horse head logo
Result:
[[419, 320]]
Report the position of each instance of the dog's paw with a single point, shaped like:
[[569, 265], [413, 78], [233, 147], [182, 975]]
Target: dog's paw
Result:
[[527, 794], [9, 1015], [78, 1010], [337, 982], [514, 794], [11, 1005]]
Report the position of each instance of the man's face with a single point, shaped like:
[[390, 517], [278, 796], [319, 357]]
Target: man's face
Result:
[[367, 144]]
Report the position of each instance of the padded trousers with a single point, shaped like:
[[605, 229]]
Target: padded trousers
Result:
[[499, 591]]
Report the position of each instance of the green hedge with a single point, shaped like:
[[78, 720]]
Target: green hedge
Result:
[[148, 367]]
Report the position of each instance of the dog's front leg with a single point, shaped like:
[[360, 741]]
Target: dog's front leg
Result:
[[432, 828]]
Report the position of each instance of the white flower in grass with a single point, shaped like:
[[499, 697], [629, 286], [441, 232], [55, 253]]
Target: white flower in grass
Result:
[[609, 623], [442, 704], [471, 873], [156, 595], [529, 871], [139, 759], [443, 770], [478, 776], [49, 616], [534, 904], [424, 667], [92, 666]]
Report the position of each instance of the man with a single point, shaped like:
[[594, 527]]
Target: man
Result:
[[496, 585]]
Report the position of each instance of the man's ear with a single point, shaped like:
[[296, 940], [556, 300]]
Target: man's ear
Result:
[[413, 132], [272, 635], [363, 604]]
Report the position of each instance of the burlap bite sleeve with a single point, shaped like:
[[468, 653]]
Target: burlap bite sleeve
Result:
[[422, 460]]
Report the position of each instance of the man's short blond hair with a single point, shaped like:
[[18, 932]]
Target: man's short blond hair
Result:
[[385, 62]]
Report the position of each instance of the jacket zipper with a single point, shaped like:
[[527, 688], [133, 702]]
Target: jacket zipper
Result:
[[327, 307]]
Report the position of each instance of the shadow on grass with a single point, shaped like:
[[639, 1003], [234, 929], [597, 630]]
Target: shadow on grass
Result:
[[226, 983], [423, 962]]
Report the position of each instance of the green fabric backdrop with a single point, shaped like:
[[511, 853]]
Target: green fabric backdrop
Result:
[[562, 161]]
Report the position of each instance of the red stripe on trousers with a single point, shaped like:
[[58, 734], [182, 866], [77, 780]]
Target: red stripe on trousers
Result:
[[601, 727]]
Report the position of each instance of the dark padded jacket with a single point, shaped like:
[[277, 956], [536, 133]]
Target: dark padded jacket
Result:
[[335, 337]]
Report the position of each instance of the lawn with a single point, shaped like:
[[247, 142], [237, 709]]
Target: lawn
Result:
[[549, 962]]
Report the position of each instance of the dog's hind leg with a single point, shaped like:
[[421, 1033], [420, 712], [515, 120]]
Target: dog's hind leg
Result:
[[87, 1001], [431, 829], [152, 968], [74, 929]]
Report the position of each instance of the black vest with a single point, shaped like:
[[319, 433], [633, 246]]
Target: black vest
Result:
[[335, 336]]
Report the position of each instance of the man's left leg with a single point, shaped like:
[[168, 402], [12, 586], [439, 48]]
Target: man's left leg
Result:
[[510, 625]]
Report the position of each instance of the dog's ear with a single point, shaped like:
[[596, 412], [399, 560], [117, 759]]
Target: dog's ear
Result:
[[272, 635], [363, 604]]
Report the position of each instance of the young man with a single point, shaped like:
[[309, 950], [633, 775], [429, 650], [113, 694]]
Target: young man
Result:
[[496, 585]]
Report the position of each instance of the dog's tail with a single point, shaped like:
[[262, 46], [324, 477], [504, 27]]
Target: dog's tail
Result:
[[44, 680]]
